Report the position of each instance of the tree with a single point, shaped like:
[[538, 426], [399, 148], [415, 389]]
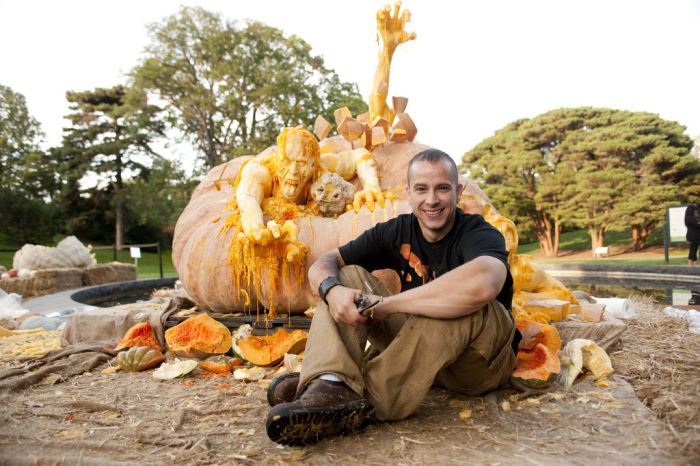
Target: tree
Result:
[[19, 136], [518, 167], [155, 201], [110, 138], [592, 167], [629, 166], [230, 89], [24, 214]]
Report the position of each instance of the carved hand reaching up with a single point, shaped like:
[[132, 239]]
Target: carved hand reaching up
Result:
[[391, 27]]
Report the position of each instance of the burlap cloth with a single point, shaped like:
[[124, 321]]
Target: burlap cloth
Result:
[[89, 340], [110, 324]]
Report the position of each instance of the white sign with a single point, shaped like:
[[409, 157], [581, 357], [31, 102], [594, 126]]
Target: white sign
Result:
[[135, 253], [676, 222]]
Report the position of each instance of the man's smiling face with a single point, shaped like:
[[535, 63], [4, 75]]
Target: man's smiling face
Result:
[[432, 194]]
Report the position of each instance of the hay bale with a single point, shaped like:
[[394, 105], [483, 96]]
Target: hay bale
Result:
[[44, 282], [109, 273]]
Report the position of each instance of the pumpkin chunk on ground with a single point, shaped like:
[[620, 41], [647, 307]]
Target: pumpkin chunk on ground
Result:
[[535, 369], [139, 358], [198, 335], [139, 335], [270, 349]]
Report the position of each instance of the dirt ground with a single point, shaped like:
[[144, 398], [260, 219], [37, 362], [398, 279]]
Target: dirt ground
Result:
[[121, 418]]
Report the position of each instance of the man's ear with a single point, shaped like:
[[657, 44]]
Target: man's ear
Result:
[[459, 190], [408, 190]]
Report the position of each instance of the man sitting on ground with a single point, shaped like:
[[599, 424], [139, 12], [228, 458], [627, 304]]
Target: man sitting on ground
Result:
[[450, 326]]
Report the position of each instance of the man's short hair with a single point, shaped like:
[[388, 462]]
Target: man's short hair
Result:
[[434, 156]]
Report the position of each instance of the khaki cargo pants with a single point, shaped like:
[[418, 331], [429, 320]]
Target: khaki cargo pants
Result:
[[470, 355]]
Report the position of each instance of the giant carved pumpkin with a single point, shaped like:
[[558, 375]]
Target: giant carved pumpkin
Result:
[[202, 243]]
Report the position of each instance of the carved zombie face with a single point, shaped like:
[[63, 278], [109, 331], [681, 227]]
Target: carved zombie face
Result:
[[296, 166]]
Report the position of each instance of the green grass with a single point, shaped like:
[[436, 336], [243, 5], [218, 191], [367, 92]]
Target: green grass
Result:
[[579, 240], [147, 264]]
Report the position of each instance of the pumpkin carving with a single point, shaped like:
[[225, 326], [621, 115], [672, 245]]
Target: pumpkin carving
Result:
[[198, 336], [201, 243], [537, 332], [535, 369], [581, 353], [139, 335], [270, 349], [139, 358]]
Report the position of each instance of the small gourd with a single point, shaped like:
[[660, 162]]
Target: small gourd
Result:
[[139, 358]]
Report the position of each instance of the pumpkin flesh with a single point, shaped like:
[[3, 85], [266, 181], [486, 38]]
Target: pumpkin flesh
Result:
[[537, 332], [197, 336], [139, 335], [270, 349], [220, 364], [536, 368]]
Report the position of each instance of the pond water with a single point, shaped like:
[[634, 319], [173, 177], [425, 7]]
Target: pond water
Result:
[[661, 292], [121, 293]]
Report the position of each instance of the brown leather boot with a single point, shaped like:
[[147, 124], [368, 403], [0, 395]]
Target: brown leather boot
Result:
[[325, 409], [283, 389]]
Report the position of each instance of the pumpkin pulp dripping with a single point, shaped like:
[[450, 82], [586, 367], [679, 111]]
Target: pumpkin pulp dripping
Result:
[[252, 262]]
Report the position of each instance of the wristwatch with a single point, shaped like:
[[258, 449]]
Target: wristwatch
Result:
[[326, 285]]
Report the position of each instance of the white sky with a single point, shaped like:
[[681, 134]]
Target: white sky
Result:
[[475, 66]]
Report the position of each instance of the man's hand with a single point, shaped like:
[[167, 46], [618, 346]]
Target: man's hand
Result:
[[368, 197], [341, 305]]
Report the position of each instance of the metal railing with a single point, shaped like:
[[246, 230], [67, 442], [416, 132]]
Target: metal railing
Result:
[[114, 249]]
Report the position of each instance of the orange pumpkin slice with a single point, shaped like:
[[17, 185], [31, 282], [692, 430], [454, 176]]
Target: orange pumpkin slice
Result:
[[537, 332], [220, 364], [270, 349], [198, 336], [535, 369], [139, 335]]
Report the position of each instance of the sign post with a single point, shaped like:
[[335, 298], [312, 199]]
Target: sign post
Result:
[[136, 255]]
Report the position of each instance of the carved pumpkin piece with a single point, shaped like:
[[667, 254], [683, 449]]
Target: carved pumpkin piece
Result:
[[198, 335], [139, 335], [582, 354], [537, 332], [536, 368], [270, 349]]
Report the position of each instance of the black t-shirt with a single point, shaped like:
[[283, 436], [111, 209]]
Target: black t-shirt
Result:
[[399, 245]]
